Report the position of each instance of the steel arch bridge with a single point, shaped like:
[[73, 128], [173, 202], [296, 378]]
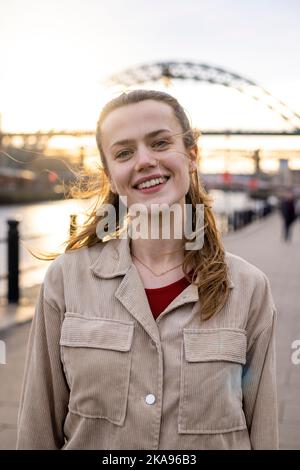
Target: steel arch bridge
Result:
[[210, 74]]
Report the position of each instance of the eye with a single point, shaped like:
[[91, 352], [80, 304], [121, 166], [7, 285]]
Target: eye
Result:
[[123, 154], [161, 143]]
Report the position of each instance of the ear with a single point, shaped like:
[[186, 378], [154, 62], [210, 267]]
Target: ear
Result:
[[111, 183], [112, 186]]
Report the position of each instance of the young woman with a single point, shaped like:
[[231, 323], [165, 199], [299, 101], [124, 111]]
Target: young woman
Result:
[[141, 343]]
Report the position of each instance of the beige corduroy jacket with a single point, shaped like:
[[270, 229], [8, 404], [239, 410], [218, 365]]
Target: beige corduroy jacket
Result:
[[101, 373]]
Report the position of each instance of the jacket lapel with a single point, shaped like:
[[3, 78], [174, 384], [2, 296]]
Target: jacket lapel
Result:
[[115, 260]]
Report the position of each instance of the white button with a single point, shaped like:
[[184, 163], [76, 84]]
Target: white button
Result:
[[150, 399]]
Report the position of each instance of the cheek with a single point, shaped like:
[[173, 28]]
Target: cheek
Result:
[[176, 161], [181, 170], [120, 176], [182, 178]]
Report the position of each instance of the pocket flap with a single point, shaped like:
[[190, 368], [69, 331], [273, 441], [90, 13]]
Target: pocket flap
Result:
[[215, 344], [80, 331]]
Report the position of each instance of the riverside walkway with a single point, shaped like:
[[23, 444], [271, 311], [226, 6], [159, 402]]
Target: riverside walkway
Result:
[[260, 244]]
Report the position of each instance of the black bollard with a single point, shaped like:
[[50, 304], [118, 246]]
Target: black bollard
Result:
[[236, 218], [230, 222], [242, 218], [13, 261]]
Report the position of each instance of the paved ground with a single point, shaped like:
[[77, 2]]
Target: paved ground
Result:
[[260, 244], [11, 376], [14, 330]]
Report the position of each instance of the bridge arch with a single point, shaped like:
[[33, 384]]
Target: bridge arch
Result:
[[205, 73]]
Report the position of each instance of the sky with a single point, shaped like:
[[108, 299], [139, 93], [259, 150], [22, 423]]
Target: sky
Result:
[[55, 55]]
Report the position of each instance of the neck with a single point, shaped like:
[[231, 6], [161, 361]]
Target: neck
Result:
[[162, 252], [162, 241]]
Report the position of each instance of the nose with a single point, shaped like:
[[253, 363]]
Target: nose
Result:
[[145, 158]]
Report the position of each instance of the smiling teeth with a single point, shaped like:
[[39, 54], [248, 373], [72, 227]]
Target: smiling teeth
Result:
[[153, 182]]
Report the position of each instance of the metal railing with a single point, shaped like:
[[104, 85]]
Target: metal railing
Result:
[[240, 218]]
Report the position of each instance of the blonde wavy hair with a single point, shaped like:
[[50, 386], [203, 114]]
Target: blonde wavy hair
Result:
[[209, 268]]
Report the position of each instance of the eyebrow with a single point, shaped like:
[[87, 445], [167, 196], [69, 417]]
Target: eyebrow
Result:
[[129, 141]]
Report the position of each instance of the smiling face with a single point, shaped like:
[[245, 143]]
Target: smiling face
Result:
[[141, 146]]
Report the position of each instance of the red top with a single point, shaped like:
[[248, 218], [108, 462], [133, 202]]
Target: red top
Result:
[[161, 297]]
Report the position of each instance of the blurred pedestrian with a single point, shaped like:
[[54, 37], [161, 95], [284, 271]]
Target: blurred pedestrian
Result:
[[288, 212], [297, 208]]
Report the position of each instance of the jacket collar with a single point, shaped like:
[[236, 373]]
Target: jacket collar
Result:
[[115, 259]]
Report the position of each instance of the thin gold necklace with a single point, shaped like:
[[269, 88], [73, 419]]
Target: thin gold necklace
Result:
[[160, 274], [161, 254]]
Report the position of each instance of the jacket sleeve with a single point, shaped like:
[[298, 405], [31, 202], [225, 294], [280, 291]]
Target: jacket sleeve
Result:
[[45, 394], [259, 378]]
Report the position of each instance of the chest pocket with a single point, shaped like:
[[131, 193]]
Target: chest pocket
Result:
[[96, 353], [210, 383]]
